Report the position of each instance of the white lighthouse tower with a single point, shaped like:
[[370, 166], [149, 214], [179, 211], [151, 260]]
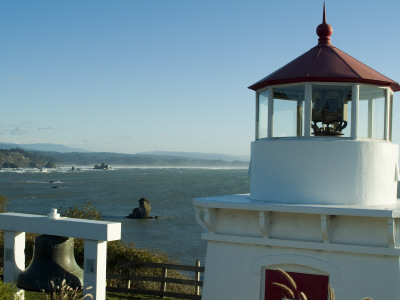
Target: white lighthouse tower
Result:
[[323, 190]]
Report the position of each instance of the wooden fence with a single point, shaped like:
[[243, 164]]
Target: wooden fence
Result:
[[163, 279]]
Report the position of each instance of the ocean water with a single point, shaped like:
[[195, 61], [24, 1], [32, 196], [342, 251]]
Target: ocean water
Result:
[[116, 193]]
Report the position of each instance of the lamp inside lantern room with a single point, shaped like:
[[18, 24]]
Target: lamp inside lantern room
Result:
[[330, 110]]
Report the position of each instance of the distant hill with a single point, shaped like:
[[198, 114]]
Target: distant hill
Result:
[[200, 155], [92, 158], [63, 155], [19, 158], [41, 147]]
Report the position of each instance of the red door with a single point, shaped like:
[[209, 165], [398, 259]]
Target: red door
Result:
[[278, 284]]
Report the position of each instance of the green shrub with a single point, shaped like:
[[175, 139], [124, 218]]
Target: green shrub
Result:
[[3, 203], [84, 211], [7, 291]]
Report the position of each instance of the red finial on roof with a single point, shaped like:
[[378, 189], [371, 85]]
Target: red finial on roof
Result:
[[324, 31]]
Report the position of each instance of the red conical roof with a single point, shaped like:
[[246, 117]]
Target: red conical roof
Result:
[[325, 63]]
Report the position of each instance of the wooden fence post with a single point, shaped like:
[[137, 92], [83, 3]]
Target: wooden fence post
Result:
[[163, 287], [197, 278]]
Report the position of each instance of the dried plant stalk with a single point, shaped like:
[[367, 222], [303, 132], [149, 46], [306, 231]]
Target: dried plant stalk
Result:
[[284, 288], [288, 278], [303, 296], [331, 293]]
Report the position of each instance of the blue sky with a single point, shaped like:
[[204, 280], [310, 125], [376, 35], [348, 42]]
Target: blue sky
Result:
[[146, 75]]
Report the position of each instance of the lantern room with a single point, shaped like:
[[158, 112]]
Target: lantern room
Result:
[[325, 92], [324, 129], [322, 109]]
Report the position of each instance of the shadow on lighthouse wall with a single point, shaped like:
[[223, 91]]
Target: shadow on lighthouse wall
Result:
[[398, 190]]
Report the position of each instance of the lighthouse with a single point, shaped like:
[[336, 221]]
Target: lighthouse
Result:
[[323, 201]]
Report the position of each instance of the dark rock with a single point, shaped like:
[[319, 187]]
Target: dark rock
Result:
[[10, 165], [33, 165], [103, 166], [141, 212], [50, 165]]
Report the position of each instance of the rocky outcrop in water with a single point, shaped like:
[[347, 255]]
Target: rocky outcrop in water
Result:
[[103, 166], [50, 165], [141, 212]]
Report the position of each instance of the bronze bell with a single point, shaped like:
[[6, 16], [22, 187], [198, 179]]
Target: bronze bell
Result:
[[53, 260]]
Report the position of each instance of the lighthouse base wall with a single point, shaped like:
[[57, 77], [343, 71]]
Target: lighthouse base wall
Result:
[[357, 249], [237, 271]]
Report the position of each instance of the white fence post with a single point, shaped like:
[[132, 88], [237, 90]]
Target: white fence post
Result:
[[14, 255], [95, 262]]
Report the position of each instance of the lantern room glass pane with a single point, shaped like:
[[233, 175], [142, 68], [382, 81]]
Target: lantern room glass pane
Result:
[[331, 110], [288, 111], [262, 115], [371, 114]]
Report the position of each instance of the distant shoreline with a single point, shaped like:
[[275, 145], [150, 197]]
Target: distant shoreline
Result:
[[18, 158], [84, 168]]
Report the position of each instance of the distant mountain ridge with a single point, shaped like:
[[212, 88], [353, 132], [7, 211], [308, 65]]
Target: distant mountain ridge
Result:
[[48, 147], [200, 155], [41, 147], [69, 157], [119, 159]]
